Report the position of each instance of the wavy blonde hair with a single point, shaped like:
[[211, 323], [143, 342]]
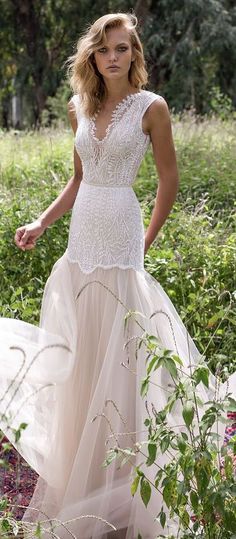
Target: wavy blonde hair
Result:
[[84, 76]]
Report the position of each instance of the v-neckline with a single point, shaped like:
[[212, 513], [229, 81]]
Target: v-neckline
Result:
[[114, 114]]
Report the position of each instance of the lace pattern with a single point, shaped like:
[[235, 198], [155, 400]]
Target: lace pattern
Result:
[[106, 227], [117, 113]]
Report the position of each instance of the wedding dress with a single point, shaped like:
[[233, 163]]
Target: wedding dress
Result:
[[80, 371]]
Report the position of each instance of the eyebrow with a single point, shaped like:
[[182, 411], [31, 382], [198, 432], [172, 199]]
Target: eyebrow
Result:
[[118, 44]]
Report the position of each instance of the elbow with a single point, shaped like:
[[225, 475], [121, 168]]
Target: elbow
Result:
[[170, 179], [77, 178]]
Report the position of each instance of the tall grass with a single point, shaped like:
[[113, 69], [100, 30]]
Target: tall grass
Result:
[[193, 256]]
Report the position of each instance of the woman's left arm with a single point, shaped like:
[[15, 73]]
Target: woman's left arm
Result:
[[157, 123]]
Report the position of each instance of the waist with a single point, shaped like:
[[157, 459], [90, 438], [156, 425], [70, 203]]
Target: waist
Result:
[[98, 184]]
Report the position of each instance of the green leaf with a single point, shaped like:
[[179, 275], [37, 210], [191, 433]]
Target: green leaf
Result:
[[164, 444], [177, 359], [144, 387], [145, 491], [152, 364], [139, 472], [205, 377], [6, 447], [203, 471], [188, 413], [153, 339], [230, 521], [170, 365], [162, 518], [219, 503], [3, 504], [201, 374], [194, 499], [4, 464], [152, 451], [196, 526], [212, 321], [169, 492], [232, 404], [160, 417], [184, 518], [23, 426], [158, 477], [228, 467], [181, 444], [5, 524], [135, 485], [38, 530], [111, 455]]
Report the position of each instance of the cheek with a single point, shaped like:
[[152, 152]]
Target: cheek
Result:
[[98, 60], [127, 57]]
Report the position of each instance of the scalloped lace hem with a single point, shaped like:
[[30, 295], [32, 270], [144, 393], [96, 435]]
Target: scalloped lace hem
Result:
[[104, 266]]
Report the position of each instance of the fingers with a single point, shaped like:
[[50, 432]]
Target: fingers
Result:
[[18, 237], [19, 233], [28, 246], [23, 239]]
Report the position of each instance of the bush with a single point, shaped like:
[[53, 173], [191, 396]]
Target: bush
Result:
[[193, 256]]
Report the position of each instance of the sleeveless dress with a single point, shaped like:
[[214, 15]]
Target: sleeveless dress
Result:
[[80, 371]]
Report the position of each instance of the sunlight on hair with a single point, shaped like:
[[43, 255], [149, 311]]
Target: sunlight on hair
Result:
[[85, 79]]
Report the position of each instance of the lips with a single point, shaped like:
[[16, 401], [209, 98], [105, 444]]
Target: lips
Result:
[[113, 67]]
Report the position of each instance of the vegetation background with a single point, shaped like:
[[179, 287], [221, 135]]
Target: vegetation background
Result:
[[189, 46], [191, 57]]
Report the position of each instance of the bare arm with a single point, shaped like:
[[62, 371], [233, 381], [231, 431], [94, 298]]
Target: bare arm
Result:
[[27, 235], [157, 123]]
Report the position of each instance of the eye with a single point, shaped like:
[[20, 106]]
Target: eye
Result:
[[102, 49], [122, 49]]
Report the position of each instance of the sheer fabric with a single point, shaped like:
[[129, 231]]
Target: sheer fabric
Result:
[[79, 389]]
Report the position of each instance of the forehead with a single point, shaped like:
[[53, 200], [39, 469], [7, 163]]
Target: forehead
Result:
[[116, 35]]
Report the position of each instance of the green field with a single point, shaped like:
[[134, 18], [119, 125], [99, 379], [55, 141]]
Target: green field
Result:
[[193, 256]]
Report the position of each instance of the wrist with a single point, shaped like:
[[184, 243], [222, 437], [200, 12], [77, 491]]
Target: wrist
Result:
[[147, 244], [42, 222]]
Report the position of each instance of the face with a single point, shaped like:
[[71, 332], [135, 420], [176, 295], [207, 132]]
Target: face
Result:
[[113, 58]]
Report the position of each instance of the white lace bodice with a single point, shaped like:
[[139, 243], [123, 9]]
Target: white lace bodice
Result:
[[106, 225]]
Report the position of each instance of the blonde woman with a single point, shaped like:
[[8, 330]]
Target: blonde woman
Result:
[[83, 389]]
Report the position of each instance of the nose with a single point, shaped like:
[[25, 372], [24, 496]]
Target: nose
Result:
[[112, 56]]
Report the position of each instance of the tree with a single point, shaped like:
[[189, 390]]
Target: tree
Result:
[[189, 46]]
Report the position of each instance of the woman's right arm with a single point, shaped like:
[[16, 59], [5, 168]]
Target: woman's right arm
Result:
[[27, 235]]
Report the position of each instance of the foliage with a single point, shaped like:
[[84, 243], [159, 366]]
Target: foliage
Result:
[[189, 46], [186, 44], [193, 257], [196, 477]]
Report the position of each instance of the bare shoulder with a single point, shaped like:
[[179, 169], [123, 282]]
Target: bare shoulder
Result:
[[157, 114]]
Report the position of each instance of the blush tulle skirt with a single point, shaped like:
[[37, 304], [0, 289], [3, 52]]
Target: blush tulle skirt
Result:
[[75, 381]]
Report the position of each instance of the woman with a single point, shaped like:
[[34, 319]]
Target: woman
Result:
[[92, 396]]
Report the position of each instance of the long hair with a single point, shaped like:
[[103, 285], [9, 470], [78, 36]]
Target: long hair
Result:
[[84, 76]]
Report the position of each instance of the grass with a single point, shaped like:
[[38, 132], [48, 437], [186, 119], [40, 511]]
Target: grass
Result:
[[193, 256]]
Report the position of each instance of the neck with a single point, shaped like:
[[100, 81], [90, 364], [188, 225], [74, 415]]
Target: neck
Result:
[[117, 90]]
